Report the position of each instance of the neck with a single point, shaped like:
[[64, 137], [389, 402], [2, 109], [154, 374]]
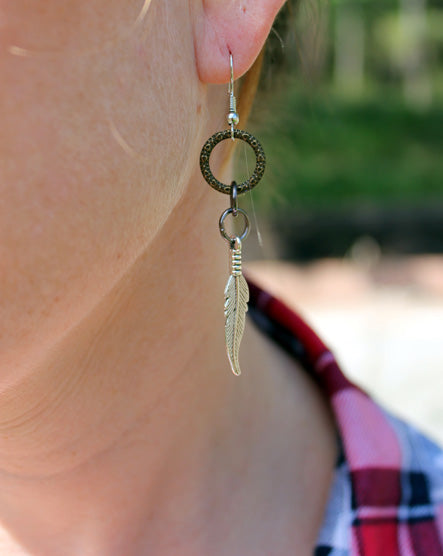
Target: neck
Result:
[[133, 433]]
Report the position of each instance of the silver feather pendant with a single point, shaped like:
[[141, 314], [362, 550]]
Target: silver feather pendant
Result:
[[236, 306]]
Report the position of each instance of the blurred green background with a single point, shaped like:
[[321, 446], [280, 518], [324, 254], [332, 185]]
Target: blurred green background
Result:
[[352, 126]]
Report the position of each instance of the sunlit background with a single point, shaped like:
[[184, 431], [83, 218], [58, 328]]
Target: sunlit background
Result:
[[350, 215]]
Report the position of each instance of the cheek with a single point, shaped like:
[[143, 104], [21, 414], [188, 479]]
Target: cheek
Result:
[[81, 188], [66, 226], [50, 26]]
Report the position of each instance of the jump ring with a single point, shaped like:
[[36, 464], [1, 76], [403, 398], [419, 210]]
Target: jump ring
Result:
[[260, 161], [222, 226], [234, 203]]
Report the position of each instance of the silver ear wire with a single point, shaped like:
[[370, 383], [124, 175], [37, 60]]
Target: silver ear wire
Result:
[[231, 83], [233, 118]]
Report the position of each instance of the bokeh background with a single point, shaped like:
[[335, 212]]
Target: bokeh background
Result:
[[349, 218]]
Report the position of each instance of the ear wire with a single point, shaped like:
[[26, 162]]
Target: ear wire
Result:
[[233, 117]]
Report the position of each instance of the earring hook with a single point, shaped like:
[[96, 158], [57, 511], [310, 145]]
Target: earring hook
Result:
[[233, 118], [231, 83]]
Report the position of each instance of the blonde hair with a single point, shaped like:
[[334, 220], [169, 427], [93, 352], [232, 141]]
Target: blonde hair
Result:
[[270, 60], [249, 87]]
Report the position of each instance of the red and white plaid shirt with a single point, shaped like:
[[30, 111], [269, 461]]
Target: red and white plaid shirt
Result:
[[387, 495]]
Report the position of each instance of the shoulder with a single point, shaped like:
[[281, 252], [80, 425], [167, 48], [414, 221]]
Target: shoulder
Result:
[[387, 507], [421, 473], [387, 494]]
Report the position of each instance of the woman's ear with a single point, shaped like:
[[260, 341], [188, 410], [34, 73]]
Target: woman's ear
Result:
[[221, 27]]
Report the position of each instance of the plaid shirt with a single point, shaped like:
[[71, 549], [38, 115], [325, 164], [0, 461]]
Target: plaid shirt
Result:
[[387, 494]]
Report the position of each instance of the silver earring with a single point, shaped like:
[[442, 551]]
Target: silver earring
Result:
[[236, 290]]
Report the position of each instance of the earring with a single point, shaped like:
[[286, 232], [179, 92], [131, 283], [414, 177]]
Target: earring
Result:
[[236, 291]]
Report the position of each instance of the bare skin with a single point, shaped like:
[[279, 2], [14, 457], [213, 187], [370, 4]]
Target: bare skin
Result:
[[122, 429]]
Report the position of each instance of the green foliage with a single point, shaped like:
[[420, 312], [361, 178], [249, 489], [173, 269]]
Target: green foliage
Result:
[[325, 151], [356, 114]]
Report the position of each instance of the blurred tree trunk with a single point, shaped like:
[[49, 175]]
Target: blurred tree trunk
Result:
[[416, 79], [349, 47]]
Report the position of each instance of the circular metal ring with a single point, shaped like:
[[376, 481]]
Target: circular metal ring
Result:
[[260, 161], [222, 226]]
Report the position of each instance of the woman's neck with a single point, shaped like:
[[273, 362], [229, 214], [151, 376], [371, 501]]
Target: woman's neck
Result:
[[134, 437]]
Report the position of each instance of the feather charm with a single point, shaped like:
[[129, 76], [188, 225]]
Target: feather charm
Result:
[[236, 305]]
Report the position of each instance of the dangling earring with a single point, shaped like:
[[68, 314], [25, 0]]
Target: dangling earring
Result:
[[236, 291]]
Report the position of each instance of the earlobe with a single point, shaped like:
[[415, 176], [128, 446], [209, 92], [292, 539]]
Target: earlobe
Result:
[[224, 26]]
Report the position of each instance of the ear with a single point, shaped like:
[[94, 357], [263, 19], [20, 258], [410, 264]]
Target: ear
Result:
[[239, 27]]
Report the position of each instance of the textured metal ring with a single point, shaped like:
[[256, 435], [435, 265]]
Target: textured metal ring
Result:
[[222, 225], [260, 161]]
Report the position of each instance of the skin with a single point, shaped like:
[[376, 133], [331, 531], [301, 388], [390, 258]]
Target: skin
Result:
[[122, 429]]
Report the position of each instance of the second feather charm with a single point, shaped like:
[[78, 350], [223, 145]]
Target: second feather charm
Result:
[[236, 306]]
